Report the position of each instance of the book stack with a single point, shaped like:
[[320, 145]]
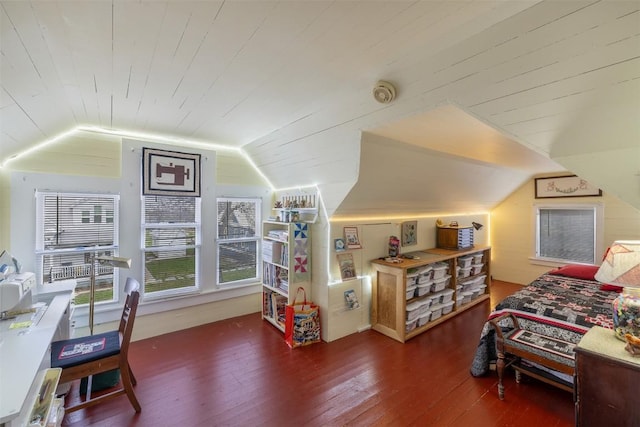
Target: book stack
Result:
[[272, 251], [279, 234]]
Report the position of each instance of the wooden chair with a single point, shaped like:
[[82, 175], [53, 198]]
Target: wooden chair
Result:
[[511, 351], [87, 356]]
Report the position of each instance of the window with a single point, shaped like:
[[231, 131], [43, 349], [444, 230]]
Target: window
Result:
[[238, 239], [568, 233], [171, 244], [67, 240]]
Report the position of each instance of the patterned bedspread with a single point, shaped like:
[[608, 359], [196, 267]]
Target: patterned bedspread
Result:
[[555, 306]]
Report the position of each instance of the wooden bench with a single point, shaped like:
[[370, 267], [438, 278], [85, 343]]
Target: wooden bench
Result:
[[518, 344]]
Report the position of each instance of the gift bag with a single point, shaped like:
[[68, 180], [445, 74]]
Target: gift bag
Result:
[[302, 321]]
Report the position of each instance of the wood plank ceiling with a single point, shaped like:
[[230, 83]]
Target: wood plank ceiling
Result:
[[290, 81]]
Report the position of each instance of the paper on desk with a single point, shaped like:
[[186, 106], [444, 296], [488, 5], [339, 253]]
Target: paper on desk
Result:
[[19, 325]]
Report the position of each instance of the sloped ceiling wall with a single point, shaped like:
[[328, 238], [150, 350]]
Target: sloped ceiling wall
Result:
[[534, 77]]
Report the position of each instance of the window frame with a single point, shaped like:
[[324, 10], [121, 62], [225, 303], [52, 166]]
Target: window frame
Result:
[[41, 251], [598, 241], [197, 247], [257, 238]]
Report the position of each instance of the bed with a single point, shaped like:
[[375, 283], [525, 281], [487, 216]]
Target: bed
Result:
[[562, 305]]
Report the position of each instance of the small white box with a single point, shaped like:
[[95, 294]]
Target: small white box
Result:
[[477, 258], [412, 279]]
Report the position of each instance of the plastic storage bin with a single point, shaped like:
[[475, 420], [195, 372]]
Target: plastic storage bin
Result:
[[464, 272], [465, 261], [476, 268], [423, 319], [440, 284], [440, 269], [423, 289], [413, 310], [412, 279], [411, 291], [410, 325], [447, 296], [477, 258], [466, 297], [447, 307], [436, 311]]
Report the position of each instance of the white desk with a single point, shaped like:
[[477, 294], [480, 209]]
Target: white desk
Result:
[[25, 352]]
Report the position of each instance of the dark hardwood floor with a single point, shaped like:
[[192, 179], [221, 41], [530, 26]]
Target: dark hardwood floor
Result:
[[239, 372]]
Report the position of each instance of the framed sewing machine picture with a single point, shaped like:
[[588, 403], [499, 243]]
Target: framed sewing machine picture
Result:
[[170, 173]]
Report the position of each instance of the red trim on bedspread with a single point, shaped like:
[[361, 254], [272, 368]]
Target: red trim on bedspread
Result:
[[546, 320]]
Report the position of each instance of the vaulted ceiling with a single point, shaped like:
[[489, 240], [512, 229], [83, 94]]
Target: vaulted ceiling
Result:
[[543, 85]]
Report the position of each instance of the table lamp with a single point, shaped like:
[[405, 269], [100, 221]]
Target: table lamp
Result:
[[621, 266]]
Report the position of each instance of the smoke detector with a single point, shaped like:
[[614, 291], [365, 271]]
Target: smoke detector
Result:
[[384, 92]]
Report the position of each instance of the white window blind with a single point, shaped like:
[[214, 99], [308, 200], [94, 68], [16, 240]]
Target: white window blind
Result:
[[70, 227], [567, 234], [238, 238], [171, 242]]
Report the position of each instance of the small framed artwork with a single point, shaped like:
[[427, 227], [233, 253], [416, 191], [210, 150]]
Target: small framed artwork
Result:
[[351, 237], [409, 233], [351, 299], [347, 267], [565, 186], [169, 173], [339, 245]]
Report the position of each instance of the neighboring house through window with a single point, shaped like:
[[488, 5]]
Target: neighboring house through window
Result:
[[68, 235], [171, 239], [238, 238]]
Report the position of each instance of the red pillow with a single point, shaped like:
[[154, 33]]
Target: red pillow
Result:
[[613, 288], [577, 271]]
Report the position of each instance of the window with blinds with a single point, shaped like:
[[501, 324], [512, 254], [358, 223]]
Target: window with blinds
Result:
[[238, 239], [171, 241], [567, 234], [70, 228]]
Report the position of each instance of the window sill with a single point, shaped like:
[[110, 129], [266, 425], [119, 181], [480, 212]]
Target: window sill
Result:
[[105, 313]]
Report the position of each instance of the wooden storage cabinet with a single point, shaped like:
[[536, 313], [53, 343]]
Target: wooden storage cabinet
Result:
[[392, 299], [454, 237], [607, 381], [286, 266]]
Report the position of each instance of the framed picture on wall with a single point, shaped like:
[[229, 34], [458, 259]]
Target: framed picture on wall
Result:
[[169, 173], [347, 266], [351, 237], [564, 186], [409, 233]]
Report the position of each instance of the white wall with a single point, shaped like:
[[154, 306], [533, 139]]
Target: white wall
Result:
[[513, 231], [109, 157]]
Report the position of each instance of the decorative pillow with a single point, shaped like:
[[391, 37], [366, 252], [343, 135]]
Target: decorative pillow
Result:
[[577, 271]]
